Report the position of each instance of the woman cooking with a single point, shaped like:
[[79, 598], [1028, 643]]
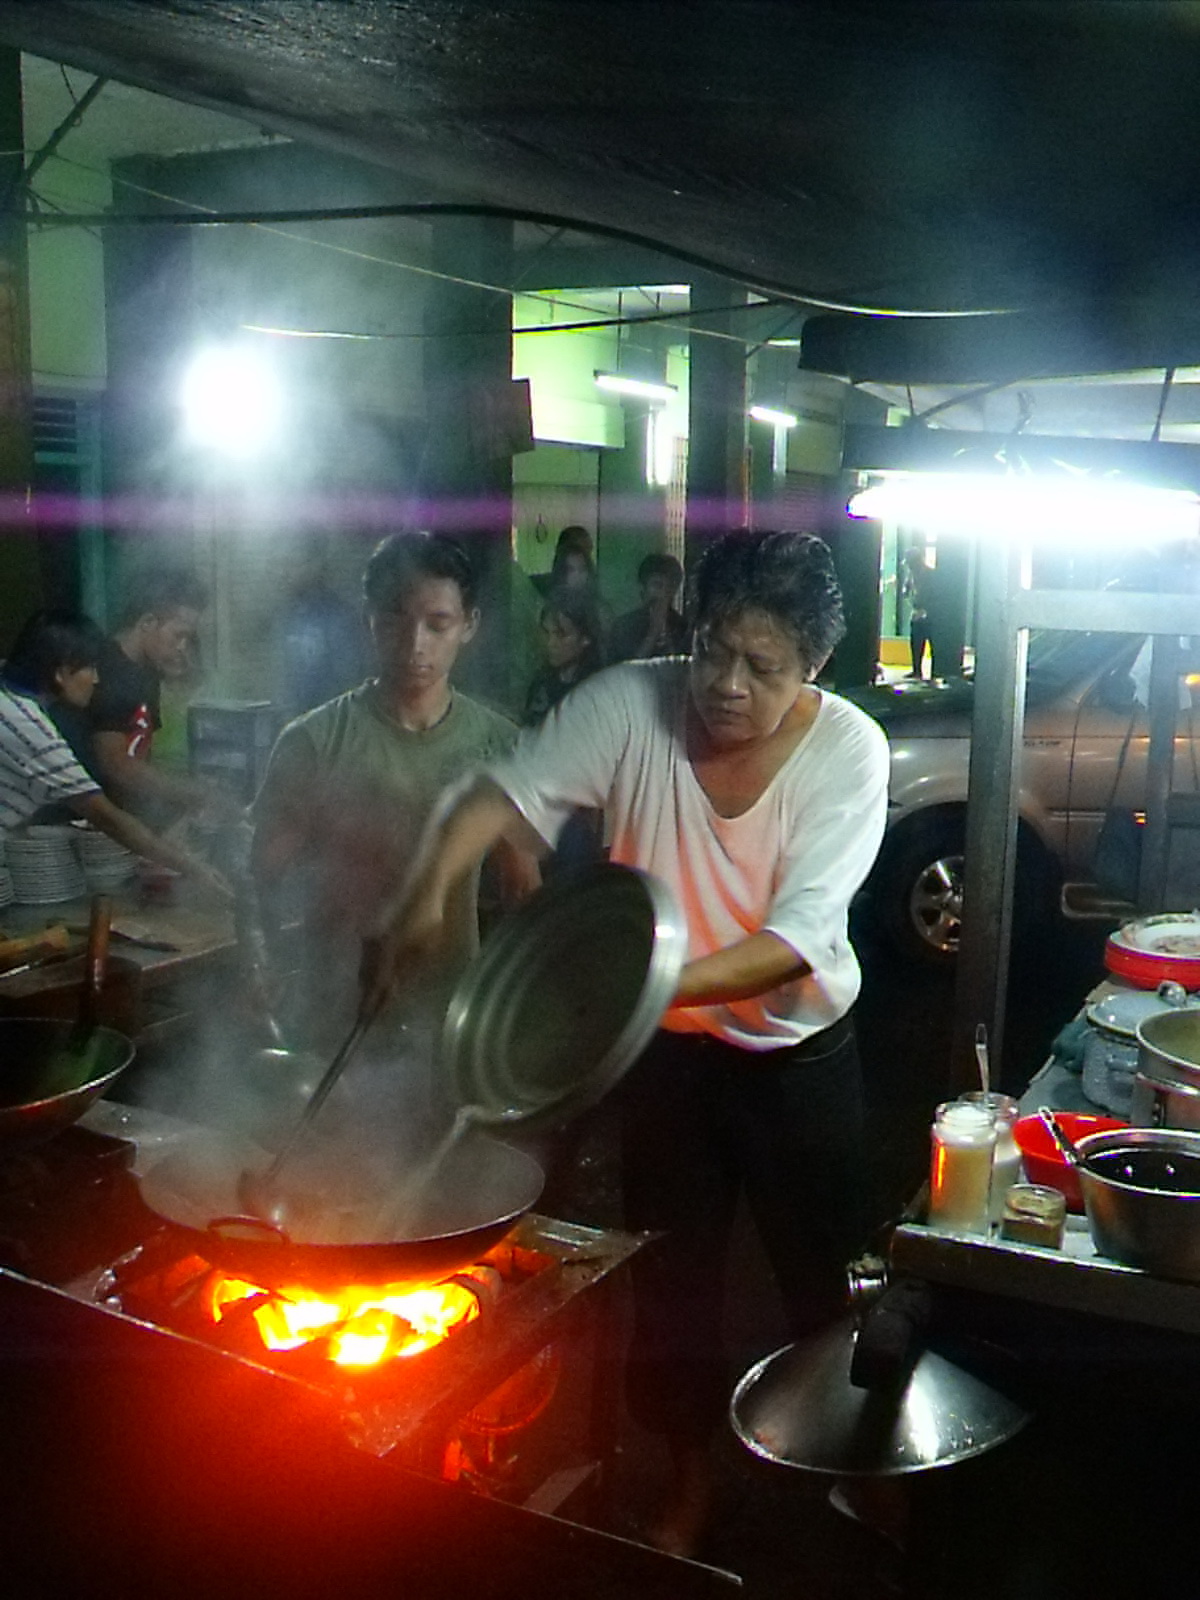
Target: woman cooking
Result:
[[759, 799], [52, 664]]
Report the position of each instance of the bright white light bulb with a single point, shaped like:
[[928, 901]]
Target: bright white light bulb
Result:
[[231, 401], [1065, 510], [780, 419]]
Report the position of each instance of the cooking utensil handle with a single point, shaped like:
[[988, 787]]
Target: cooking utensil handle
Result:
[[366, 1016], [96, 960], [332, 1073], [1070, 1153]]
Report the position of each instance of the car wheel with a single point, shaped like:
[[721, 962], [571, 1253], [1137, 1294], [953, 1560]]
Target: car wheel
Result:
[[918, 892], [918, 895]]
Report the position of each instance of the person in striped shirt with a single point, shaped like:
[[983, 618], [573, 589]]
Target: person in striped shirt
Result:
[[54, 659]]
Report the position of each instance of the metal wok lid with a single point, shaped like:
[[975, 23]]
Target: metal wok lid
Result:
[[800, 1408], [564, 995]]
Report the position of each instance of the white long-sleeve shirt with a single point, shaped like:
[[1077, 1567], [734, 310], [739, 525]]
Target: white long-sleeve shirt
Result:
[[789, 865]]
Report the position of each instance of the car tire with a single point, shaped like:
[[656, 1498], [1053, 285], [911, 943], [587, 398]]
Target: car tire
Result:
[[916, 891]]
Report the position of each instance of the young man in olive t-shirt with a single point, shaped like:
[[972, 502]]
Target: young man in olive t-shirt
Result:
[[351, 785]]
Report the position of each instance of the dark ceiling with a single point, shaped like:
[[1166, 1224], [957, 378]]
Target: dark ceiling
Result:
[[935, 156]]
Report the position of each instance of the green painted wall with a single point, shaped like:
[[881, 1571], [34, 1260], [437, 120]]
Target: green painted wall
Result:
[[66, 282]]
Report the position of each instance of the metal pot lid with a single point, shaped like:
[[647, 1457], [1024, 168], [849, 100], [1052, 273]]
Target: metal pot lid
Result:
[[1121, 1011], [799, 1408], [564, 995]]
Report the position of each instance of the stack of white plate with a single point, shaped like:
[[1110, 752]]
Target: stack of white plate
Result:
[[106, 864], [43, 866]]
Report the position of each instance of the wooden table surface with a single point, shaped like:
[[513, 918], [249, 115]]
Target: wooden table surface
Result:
[[201, 930]]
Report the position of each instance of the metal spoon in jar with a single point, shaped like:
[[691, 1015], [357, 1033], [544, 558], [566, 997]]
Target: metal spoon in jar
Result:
[[981, 1058]]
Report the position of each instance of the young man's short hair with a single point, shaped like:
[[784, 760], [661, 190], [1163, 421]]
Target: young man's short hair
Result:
[[404, 559], [160, 591], [660, 565]]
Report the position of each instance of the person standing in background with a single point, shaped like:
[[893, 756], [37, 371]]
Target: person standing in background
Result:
[[656, 628], [574, 564], [113, 736], [921, 588], [571, 642], [351, 784], [320, 646]]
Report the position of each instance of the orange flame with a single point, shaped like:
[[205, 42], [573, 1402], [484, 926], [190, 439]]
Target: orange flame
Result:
[[364, 1325]]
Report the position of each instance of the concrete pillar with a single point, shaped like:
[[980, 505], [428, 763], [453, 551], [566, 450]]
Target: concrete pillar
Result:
[[20, 573], [717, 490], [150, 324], [857, 549], [473, 428]]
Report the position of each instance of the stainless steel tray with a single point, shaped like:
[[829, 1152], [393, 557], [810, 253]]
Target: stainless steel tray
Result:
[[1074, 1278]]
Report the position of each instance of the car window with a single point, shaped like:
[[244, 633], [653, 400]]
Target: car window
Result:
[[1060, 660]]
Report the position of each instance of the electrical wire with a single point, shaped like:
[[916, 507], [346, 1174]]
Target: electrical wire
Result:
[[553, 297], [545, 327], [430, 210]]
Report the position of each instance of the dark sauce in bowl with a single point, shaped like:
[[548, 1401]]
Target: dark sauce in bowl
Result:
[[1167, 1171]]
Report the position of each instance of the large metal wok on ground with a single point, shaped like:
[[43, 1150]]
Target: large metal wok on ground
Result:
[[561, 999]]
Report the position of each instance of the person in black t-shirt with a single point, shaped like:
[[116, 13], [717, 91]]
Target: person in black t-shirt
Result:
[[155, 639]]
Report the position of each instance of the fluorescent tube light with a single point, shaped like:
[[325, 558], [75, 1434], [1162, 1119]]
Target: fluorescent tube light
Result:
[[1055, 510], [619, 383], [781, 419]]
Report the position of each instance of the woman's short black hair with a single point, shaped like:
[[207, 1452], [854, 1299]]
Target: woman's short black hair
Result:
[[404, 559], [789, 576], [50, 642]]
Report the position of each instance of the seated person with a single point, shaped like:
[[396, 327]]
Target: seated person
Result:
[[655, 628], [571, 642], [54, 660]]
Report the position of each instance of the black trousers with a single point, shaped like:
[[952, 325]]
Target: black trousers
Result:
[[703, 1122]]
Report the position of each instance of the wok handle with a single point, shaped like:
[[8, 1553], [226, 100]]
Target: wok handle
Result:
[[234, 1229]]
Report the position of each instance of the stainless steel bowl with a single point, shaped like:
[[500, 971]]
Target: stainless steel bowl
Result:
[[1136, 1222]]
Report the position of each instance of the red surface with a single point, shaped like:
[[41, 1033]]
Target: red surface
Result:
[[1044, 1162], [1147, 969]]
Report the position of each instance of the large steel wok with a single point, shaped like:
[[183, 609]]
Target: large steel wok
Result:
[[478, 1192], [33, 1103], [563, 997]]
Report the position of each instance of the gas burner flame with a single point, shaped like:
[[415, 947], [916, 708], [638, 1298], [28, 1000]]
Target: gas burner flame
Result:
[[361, 1326]]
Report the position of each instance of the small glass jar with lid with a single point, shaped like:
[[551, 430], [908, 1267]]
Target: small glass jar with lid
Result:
[[960, 1175], [1006, 1158], [1034, 1214]]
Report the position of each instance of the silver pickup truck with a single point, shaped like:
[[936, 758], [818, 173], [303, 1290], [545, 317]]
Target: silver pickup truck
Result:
[[1086, 742]]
